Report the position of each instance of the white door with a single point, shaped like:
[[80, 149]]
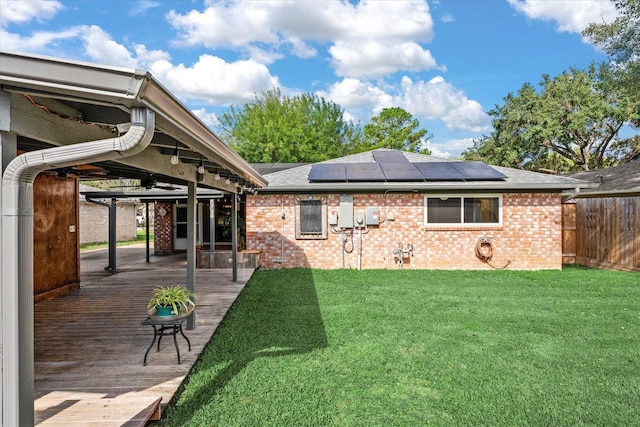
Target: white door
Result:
[[180, 226]]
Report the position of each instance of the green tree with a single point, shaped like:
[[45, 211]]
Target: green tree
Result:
[[621, 38], [621, 41], [397, 129], [276, 128], [572, 123]]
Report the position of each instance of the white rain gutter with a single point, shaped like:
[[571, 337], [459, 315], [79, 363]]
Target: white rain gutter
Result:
[[17, 253]]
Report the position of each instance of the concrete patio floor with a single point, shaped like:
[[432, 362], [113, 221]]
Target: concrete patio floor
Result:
[[89, 344]]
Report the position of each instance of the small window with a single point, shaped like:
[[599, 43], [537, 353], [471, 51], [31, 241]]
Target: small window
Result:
[[311, 219], [465, 210]]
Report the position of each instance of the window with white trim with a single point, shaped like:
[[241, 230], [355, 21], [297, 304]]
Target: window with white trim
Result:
[[468, 210]]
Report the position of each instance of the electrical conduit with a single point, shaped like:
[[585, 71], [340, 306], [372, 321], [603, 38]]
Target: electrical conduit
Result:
[[17, 252]]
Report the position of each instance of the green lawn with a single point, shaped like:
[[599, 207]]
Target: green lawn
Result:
[[141, 237], [406, 348]]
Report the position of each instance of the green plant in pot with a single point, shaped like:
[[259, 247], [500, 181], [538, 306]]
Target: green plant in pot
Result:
[[171, 300]]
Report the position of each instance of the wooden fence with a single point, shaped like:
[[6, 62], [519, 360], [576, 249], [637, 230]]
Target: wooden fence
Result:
[[602, 232]]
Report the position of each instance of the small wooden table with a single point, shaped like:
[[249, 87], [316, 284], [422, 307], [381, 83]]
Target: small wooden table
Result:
[[165, 327]]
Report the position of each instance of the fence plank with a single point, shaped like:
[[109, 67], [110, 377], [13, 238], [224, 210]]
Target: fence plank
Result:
[[607, 231]]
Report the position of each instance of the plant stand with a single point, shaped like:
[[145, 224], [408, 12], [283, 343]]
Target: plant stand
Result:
[[165, 327]]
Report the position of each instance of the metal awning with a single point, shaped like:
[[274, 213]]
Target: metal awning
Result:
[[57, 102], [96, 121]]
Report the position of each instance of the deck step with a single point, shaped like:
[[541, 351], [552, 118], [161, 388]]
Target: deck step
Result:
[[124, 410]]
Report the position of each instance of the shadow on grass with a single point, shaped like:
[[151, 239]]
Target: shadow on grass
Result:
[[275, 315]]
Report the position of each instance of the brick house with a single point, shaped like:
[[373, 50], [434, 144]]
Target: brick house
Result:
[[94, 218], [389, 209]]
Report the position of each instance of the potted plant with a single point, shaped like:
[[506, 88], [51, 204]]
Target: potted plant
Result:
[[171, 300]]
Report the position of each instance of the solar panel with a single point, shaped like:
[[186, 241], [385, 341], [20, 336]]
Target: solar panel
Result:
[[328, 172], [477, 171], [401, 172], [389, 157], [364, 172], [439, 171]]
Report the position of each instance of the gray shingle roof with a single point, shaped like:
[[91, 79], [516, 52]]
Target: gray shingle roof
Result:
[[618, 180], [295, 180]]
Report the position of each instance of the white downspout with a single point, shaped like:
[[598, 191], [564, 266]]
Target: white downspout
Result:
[[573, 194], [17, 253]]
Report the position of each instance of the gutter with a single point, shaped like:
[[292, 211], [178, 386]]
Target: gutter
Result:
[[55, 78], [17, 253], [422, 187]]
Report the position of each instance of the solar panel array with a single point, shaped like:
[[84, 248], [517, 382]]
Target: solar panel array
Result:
[[392, 166]]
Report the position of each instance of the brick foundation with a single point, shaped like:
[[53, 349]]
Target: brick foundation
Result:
[[529, 238]]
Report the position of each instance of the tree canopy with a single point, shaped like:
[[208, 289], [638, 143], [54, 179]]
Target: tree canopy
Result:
[[572, 123], [397, 129], [621, 41], [621, 38], [276, 128]]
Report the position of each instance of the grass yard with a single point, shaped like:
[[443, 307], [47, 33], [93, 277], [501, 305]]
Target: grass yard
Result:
[[405, 348], [141, 237]]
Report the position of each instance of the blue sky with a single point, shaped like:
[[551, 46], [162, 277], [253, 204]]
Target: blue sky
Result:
[[447, 62]]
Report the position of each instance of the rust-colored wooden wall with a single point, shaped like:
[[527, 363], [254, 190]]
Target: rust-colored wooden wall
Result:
[[607, 232], [56, 251]]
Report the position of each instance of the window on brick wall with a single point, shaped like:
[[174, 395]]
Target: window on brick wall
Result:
[[468, 210], [311, 218]]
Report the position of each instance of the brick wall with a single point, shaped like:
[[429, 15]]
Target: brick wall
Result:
[[529, 238], [163, 228]]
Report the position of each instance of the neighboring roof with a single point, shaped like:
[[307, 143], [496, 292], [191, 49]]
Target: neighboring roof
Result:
[[295, 180], [267, 168], [154, 194], [623, 179], [91, 99]]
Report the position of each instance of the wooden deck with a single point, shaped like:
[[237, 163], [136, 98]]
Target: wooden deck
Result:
[[89, 345]]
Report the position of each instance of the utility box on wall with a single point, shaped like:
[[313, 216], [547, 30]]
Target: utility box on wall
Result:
[[346, 212], [333, 217], [373, 214]]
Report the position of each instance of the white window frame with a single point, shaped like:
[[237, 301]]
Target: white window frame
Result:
[[462, 223]]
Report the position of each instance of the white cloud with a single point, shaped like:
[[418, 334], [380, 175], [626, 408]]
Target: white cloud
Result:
[[449, 148], [223, 24], [436, 151], [368, 38], [569, 16], [438, 99], [142, 6], [376, 59], [100, 47], [432, 100], [301, 49], [209, 119], [263, 56], [38, 41], [21, 11], [448, 18], [353, 93], [213, 80]]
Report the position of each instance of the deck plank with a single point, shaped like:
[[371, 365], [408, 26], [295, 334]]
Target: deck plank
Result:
[[89, 344]]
